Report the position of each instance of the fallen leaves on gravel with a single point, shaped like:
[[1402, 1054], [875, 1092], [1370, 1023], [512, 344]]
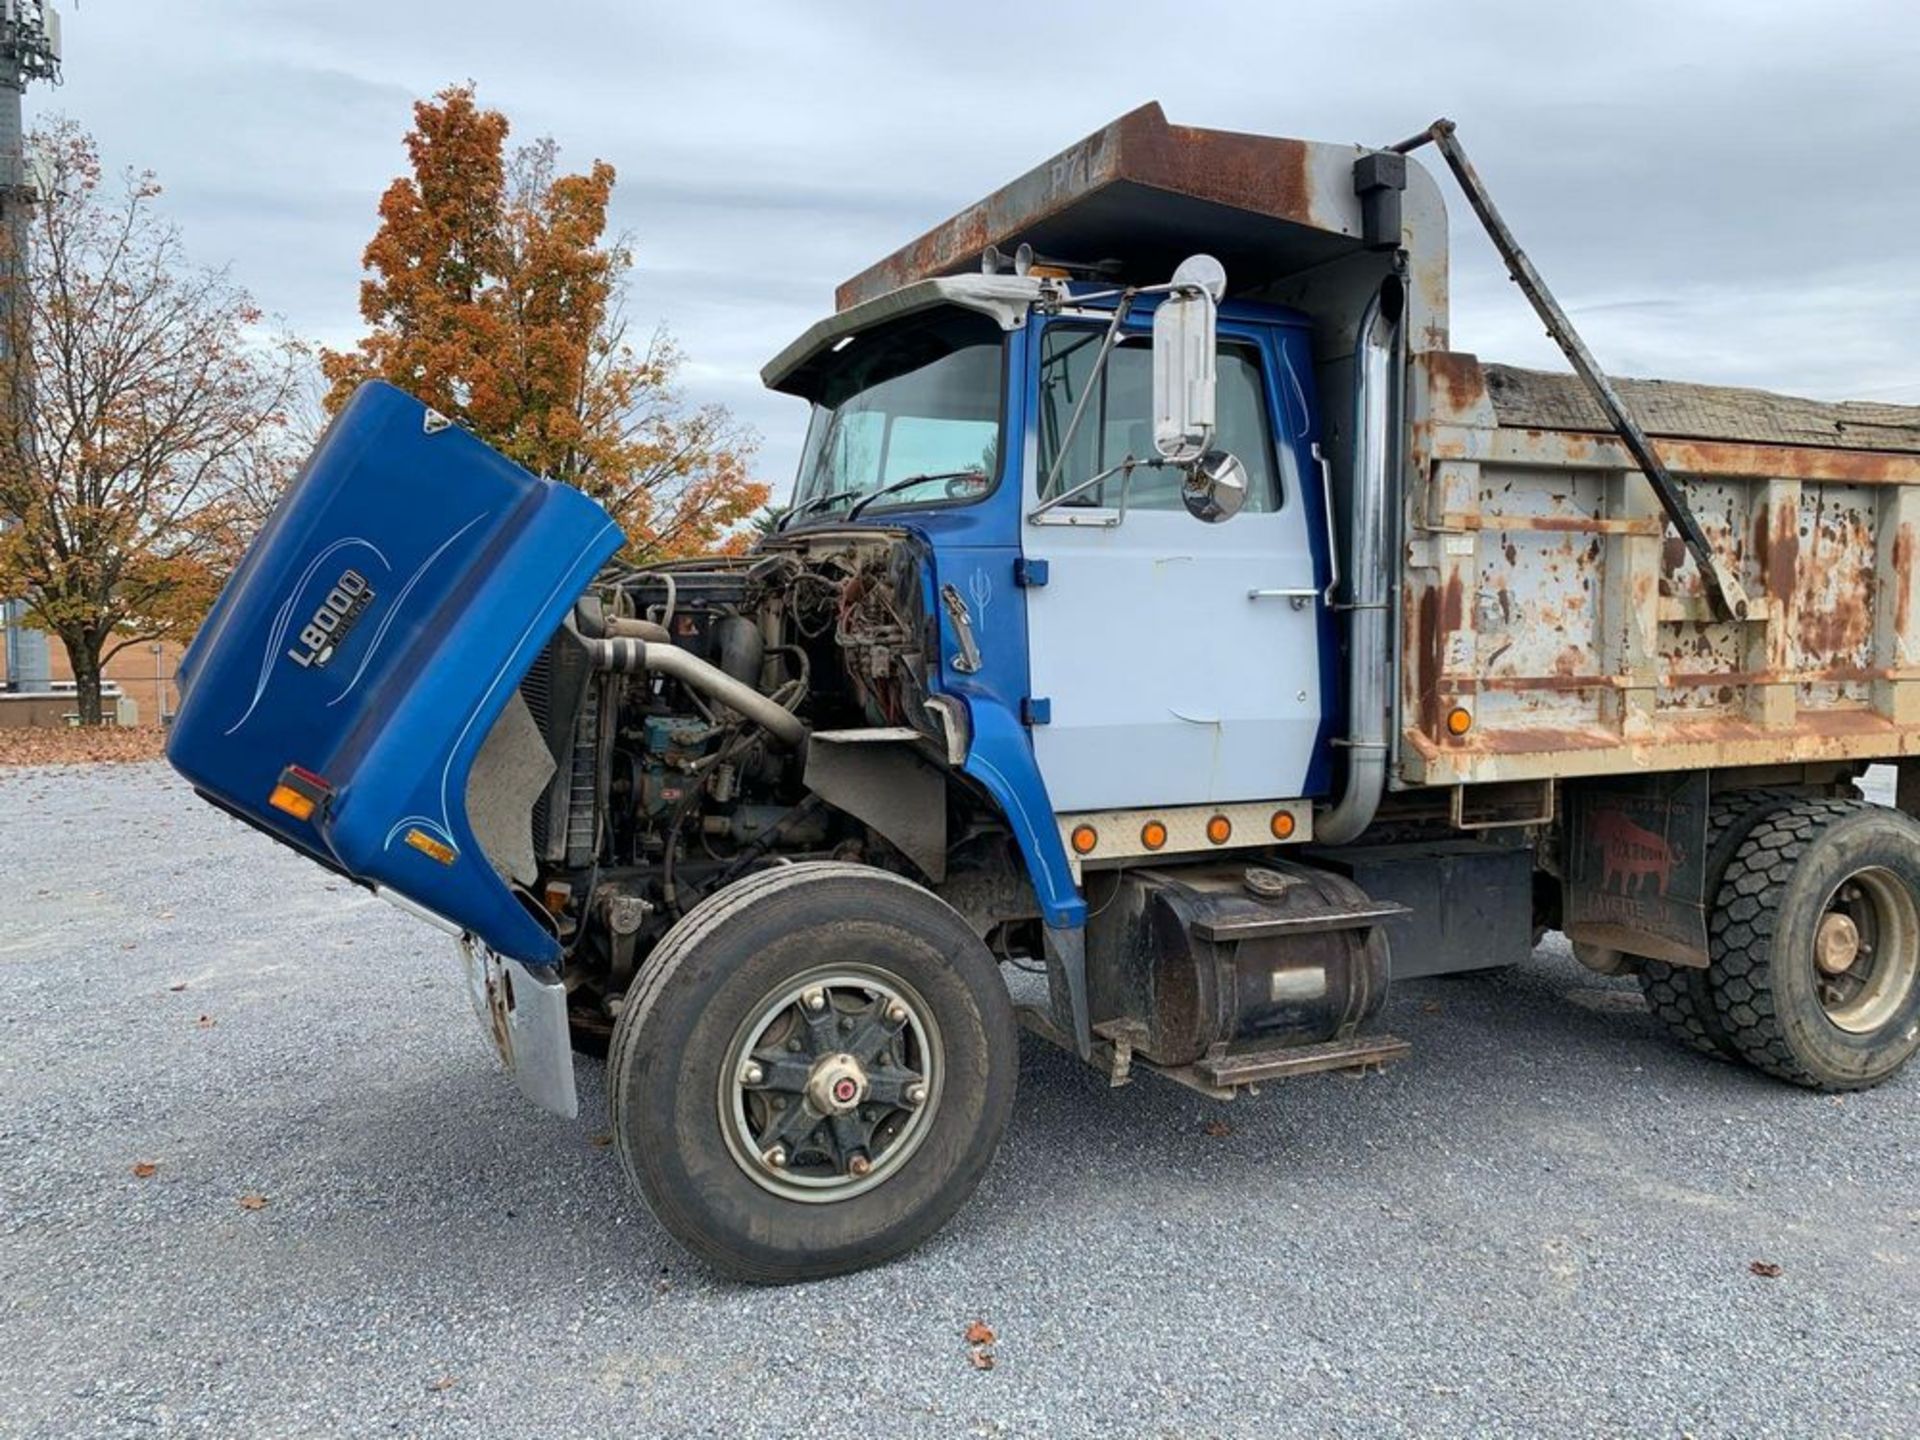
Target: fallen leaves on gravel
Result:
[[178, 985], [600, 1141], [1766, 1269], [253, 1200], [1430, 1007], [980, 1338], [980, 1359], [1218, 1129], [980, 1333], [205, 1022], [145, 1169], [72, 745], [445, 1382]]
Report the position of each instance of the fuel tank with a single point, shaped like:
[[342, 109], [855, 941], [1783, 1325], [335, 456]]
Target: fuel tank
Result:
[[1212, 958]]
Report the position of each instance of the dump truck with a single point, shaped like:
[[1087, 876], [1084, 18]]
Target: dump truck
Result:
[[1164, 608]]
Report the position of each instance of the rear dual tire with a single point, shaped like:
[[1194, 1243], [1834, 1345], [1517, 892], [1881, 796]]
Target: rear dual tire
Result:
[[1814, 939], [1681, 996], [1816, 945]]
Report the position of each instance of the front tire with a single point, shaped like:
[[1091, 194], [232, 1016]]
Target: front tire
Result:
[[813, 1072], [1817, 945]]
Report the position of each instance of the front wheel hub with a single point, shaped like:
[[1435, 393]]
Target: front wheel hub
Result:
[[837, 1084], [831, 1083]]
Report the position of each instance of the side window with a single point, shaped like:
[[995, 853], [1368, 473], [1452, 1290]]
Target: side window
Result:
[[1118, 420]]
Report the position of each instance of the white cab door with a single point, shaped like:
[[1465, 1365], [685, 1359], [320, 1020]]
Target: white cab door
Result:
[[1178, 661]]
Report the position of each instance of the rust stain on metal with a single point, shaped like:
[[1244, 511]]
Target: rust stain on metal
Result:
[[1833, 596], [1255, 174], [1458, 387], [1777, 547], [1902, 578], [1543, 739]]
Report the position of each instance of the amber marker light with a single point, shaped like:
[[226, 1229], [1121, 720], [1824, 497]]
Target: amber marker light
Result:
[[1459, 720], [1153, 834], [1281, 825], [298, 793], [1085, 837], [1219, 829], [431, 848]]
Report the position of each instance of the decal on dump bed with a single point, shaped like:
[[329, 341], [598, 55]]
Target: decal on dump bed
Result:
[[1636, 866]]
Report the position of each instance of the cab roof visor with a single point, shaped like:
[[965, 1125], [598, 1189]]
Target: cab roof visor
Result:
[[1003, 298]]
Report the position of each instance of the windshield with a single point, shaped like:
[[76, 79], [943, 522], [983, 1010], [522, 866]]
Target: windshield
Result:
[[920, 399]]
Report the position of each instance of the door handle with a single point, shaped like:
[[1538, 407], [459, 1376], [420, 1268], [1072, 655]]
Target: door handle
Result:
[[1299, 599], [1333, 537]]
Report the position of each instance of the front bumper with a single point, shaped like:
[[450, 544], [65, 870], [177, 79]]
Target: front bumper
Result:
[[524, 1012]]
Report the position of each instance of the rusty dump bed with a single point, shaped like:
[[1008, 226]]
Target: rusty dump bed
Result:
[[1541, 587], [1546, 593]]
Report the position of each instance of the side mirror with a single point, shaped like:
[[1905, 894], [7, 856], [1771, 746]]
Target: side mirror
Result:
[[1215, 487], [1185, 337]]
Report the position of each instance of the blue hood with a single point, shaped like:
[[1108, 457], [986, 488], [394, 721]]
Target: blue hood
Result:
[[373, 634]]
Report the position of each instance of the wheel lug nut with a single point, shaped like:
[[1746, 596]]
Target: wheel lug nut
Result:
[[775, 1158], [752, 1075], [897, 1014], [858, 1166], [815, 999], [916, 1095]]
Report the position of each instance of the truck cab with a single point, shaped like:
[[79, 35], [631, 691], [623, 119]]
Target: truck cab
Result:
[[1162, 608]]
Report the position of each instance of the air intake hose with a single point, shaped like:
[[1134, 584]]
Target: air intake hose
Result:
[[626, 655]]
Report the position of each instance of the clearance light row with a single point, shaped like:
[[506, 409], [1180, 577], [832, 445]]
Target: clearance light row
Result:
[[1085, 838]]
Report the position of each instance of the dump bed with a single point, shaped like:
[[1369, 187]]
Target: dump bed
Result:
[[1546, 594], [1542, 589]]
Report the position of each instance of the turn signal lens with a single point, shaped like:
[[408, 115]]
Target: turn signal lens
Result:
[[1281, 825], [1459, 721], [299, 792], [1219, 829], [1085, 837], [1153, 834], [285, 797], [431, 848]]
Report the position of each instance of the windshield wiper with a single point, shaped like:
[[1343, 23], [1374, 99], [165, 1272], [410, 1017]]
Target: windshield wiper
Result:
[[807, 507], [854, 509]]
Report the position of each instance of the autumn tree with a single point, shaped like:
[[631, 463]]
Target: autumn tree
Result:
[[139, 402], [494, 294]]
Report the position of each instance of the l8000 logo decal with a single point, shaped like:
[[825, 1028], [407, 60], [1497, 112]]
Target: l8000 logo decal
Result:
[[339, 612]]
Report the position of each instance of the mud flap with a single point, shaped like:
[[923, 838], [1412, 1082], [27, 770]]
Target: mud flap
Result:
[[524, 1012], [1636, 866]]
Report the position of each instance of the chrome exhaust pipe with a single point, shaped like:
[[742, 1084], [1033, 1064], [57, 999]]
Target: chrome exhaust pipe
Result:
[[1369, 601]]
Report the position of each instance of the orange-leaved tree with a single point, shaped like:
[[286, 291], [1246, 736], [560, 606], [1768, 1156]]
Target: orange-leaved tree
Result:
[[494, 295], [139, 403]]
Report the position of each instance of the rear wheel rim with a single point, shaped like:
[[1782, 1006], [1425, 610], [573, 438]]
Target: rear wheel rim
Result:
[[1866, 951], [831, 1083]]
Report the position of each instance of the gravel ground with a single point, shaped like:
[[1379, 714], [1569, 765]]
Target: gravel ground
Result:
[[1542, 1222]]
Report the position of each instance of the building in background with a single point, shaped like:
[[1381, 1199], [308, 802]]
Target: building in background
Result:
[[142, 674]]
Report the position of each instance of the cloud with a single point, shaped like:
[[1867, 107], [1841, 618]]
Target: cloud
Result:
[[1713, 189]]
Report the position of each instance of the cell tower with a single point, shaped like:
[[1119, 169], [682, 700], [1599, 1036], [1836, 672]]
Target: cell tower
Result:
[[29, 50]]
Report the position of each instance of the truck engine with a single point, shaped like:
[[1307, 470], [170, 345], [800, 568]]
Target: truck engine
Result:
[[676, 706]]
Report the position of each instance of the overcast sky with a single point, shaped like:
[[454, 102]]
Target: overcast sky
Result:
[[1717, 191]]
